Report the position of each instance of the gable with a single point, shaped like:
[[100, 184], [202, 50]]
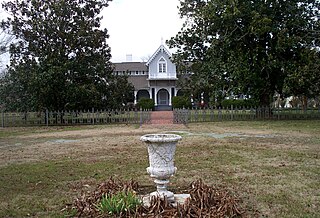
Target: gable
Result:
[[161, 51], [160, 65]]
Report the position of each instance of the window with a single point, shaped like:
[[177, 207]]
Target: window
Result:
[[162, 65]]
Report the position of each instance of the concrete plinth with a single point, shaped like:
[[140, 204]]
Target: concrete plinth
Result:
[[178, 199]]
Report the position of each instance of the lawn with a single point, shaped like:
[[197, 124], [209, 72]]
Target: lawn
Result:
[[272, 166]]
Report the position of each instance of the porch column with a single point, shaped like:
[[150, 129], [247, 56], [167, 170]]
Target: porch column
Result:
[[170, 91], [135, 96], [171, 95], [176, 92], [155, 96], [150, 93]]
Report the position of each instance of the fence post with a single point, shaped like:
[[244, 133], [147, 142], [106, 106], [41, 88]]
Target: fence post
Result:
[[2, 115], [93, 116], [232, 112], [186, 116], [141, 116], [47, 117], [211, 114]]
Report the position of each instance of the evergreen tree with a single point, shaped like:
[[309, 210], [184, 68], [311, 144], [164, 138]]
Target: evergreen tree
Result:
[[61, 59], [248, 47]]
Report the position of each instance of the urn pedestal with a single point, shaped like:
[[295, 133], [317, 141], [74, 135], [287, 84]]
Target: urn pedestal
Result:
[[161, 150]]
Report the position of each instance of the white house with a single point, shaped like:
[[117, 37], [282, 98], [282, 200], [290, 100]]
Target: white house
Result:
[[155, 79]]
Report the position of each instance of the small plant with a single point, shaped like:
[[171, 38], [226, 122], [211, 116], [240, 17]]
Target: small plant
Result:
[[146, 104], [180, 102], [118, 203]]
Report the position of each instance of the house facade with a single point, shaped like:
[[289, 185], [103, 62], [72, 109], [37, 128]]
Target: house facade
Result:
[[155, 79]]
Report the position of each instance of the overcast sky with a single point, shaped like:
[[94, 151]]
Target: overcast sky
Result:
[[137, 26]]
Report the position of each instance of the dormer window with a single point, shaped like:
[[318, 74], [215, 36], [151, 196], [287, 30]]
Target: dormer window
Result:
[[162, 65]]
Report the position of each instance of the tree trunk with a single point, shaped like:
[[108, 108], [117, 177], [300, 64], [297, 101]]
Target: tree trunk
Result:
[[265, 99], [304, 103]]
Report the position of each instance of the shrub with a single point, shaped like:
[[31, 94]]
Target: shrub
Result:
[[238, 103], [181, 102], [145, 103]]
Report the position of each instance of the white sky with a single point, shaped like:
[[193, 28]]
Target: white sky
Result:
[[137, 26]]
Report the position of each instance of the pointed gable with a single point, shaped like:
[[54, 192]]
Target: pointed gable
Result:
[[160, 65], [161, 49]]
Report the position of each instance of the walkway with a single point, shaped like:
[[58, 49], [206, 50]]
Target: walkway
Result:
[[162, 117]]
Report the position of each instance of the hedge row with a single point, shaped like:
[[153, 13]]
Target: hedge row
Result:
[[238, 103]]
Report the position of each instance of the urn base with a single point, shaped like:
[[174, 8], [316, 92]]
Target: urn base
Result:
[[178, 199], [162, 194]]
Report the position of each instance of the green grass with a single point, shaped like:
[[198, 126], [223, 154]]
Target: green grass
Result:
[[44, 187], [277, 176]]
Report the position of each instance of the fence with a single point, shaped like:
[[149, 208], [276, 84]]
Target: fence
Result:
[[56, 118], [233, 114]]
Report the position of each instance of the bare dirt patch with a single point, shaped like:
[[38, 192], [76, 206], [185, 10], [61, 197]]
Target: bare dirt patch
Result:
[[91, 143], [98, 142]]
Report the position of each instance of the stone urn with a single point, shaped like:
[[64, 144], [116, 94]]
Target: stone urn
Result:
[[161, 150]]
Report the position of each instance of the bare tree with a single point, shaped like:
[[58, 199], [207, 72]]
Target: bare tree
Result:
[[5, 40], [145, 58]]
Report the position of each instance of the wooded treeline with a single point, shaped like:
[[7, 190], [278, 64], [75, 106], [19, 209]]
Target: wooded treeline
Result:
[[60, 58]]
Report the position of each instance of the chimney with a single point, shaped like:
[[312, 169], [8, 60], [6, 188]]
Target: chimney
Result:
[[129, 58]]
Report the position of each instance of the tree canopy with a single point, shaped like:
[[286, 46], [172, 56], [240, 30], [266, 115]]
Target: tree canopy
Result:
[[61, 59], [250, 47]]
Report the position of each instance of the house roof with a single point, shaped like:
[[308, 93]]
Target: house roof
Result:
[[130, 66], [162, 48]]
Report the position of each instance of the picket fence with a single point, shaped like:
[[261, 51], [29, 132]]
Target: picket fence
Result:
[[180, 116], [243, 114], [59, 118]]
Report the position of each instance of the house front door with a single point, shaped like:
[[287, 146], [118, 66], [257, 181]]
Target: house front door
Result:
[[163, 97]]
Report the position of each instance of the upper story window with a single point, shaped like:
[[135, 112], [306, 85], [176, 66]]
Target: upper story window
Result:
[[162, 65]]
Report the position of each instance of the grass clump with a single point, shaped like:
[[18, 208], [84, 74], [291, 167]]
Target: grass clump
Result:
[[118, 203], [110, 198]]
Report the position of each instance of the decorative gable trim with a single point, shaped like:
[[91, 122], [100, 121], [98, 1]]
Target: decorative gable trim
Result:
[[160, 49]]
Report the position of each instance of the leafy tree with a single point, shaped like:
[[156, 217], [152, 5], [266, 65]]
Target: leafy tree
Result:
[[61, 59], [120, 98], [247, 47], [304, 81], [180, 102]]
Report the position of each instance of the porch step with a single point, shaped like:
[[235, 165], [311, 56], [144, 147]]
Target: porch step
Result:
[[163, 108], [162, 117]]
